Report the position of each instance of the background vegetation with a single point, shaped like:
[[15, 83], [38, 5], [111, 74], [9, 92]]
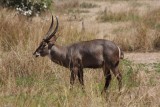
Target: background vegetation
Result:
[[28, 81], [27, 7]]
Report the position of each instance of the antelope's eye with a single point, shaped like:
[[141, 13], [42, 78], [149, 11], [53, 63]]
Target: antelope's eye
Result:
[[44, 45]]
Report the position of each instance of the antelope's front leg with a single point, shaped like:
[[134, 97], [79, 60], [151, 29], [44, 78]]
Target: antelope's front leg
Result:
[[80, 77], [74, 72]]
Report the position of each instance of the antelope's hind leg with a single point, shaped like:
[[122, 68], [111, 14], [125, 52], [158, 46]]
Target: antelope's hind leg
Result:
[[108, 78], [80, 73], [118, 75]]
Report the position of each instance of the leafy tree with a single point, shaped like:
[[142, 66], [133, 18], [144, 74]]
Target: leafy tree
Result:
[[27, 7]]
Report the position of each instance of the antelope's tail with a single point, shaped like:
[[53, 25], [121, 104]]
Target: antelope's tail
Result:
[[121, 54]]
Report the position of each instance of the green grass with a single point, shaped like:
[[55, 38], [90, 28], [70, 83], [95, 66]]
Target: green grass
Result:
[[88, 5], [129, 74], [157, 67], [77, 11]]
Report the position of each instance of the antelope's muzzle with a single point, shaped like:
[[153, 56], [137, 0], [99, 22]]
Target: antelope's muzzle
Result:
[[36, 54]]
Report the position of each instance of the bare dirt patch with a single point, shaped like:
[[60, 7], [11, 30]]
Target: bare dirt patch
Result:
[[145, 58]]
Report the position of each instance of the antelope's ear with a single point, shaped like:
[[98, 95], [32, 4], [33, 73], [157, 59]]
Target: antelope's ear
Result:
[[53, 39], [51, 43]]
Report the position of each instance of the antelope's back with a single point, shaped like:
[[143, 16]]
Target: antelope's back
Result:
[[93, 53]]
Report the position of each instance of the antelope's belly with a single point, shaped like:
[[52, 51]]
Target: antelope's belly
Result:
[[92, 62]]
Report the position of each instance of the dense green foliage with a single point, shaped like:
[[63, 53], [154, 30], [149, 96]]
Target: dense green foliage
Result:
[[27, 7]]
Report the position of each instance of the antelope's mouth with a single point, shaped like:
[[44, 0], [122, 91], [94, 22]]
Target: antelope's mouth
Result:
[[36, 54]]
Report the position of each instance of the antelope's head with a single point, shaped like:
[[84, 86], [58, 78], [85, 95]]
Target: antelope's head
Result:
[[47, 43]]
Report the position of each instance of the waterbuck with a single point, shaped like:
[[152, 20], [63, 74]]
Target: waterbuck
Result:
[[96, 53]]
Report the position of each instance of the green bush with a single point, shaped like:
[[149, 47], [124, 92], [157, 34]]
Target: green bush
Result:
[[27, 7]]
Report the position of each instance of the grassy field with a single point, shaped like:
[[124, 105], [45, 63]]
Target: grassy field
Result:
[[26, 81]]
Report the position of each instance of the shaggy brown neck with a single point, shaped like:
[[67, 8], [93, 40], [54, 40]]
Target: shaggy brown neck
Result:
[[58, 55]]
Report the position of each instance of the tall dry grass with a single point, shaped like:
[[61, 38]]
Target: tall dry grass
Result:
[[73, 6], [65, 6], [27, 81], [109, 16], [142, 35]]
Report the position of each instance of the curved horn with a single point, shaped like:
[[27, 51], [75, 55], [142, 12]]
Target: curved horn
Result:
[[50, 28], [49, 37]]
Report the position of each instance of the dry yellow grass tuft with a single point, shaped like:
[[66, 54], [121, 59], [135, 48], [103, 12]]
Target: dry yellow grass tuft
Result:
[[109, 16], [65, 6], [144, 36]]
